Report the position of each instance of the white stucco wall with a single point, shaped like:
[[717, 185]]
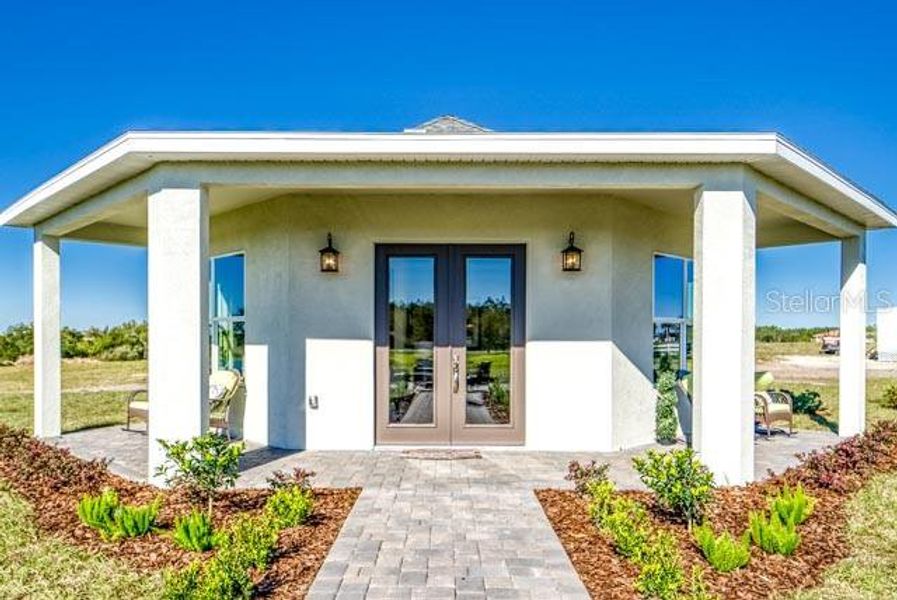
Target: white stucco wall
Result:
[[588, 355]]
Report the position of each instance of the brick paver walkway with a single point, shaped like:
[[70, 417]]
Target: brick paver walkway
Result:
[[422, 528]]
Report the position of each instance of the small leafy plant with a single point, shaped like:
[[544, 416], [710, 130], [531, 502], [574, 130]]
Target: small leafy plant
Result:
[[289, 506], [723, 552], [682, 484], [115, 521], [793, 506], [601, 495], [194, 532], [204, 465], [300, 478], [697, 587], [628, 527], [773, 535], [249, 541], [661, 575], [98, 512], [666, 421], [135, 521], [583, 475]]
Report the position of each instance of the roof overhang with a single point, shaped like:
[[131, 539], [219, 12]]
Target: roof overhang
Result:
[[136, 152]]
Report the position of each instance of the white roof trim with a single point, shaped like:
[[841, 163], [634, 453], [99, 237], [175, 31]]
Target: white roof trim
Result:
[[135, 152]]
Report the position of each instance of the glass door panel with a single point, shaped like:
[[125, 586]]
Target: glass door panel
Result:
[[488, 341], [412, 321]]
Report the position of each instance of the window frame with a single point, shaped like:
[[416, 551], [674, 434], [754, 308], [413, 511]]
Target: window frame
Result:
[[685, 321], [216, 321]]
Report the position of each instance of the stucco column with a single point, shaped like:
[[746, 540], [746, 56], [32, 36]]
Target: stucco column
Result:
[[178, 310], [852, 394], [47, 345], [725, 249]]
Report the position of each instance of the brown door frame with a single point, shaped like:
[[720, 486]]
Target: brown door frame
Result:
[[449, 426]]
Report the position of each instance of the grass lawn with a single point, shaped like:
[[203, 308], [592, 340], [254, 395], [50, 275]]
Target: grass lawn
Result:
[[34, 565], [767, 351], [827, 417], [871, 570], [92, 393]]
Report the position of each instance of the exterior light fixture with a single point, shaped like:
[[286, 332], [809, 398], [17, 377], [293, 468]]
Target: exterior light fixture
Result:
[[571, 256], [329, 257]]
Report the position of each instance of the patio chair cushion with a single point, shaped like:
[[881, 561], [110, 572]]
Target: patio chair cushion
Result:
[[216, 392], [778, 410], [139, 405], [763, 380]]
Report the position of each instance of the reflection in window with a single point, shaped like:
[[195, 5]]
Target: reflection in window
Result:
[[412, 319], [488, 326], [673, 311], [227, 305]]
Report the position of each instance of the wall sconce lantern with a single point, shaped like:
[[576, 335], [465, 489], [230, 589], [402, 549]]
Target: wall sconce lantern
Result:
[[571, 256], [329, 257]]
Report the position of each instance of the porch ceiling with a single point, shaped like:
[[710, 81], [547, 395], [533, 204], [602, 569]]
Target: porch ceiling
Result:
[[774, 228]]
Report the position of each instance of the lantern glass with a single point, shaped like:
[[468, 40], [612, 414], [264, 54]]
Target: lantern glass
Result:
[[571, 256], [329, 257]]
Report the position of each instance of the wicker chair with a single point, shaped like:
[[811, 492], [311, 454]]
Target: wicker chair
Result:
[[773, 406], [223, 387]]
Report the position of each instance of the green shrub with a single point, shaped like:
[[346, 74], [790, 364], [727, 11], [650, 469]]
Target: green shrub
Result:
[[601, 495], [182, 584], [289, 507], [135, 521], [661, 575], [666, 420], [194, 532], [772, 535], [889, 397], [627, 525], [807, 402], [793, 506], [723, 552], [248, 542], [682, 484], [583, 475], [697, 587], [98, 512], [204, 465]]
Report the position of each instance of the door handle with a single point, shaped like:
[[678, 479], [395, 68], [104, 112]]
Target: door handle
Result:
[[456, 373]]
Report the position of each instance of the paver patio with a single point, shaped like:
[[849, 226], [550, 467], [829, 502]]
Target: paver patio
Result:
[[424, 528]]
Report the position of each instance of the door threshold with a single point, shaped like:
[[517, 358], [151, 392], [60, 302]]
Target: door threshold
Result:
[[481, 447]]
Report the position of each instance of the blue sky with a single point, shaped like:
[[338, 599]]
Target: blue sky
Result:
[[75, 74]]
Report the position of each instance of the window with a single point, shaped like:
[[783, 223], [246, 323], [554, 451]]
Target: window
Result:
[[673, 312], [228, 311]]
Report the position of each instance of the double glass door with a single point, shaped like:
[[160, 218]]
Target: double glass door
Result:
[[450, 339]]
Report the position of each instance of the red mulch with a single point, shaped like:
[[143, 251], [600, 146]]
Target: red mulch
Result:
[[831, 476], [52, 480]]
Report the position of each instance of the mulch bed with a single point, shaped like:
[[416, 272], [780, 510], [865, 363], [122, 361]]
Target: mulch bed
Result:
[[831, 476], [52, 480]]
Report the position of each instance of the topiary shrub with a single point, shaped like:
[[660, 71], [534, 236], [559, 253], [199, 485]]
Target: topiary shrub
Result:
[[793, 506], [682, 484], [666, 419], [583, 476], [723, 552], [661, 575], [194, 532], [772, 535]]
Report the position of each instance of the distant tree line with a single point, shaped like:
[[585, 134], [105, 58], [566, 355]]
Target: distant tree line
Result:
[[120, 342]]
